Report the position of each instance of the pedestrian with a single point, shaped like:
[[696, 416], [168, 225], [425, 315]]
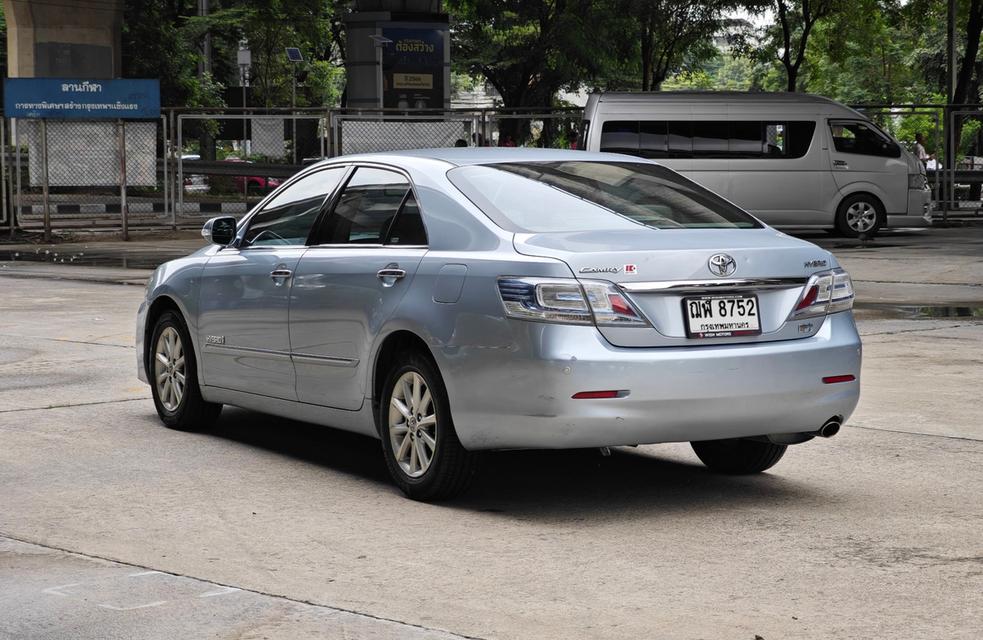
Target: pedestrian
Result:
[[920, 152]]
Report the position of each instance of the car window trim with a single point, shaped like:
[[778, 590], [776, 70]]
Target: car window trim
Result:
[[246, 222], [329, 211]]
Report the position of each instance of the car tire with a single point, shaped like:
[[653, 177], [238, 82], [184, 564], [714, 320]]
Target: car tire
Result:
[[423, 453], [738, 456], [859, 213], [173, 374]]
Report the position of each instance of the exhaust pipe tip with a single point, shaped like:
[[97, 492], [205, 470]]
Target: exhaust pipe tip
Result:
[[830, 428]]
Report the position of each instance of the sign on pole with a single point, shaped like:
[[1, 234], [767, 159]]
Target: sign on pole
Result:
[[81, 99]]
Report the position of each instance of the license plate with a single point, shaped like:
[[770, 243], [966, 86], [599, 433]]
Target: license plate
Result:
[[721, 316]]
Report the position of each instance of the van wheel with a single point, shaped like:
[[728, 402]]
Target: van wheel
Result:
[[860, 213], [173, 377], [423, 454], [738, 456]]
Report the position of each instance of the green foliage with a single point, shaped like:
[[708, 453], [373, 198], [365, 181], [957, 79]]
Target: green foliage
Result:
[[530, 50], [325, 83], [161, 39]]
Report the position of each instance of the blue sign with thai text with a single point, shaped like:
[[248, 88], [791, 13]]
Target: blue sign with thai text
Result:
[[81, 99]]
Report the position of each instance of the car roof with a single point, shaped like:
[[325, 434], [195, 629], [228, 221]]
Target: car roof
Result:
[[714, 96], [460, 156]]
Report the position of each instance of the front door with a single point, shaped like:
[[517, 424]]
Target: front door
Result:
[[861, 153], [349, 283], [245, 292]]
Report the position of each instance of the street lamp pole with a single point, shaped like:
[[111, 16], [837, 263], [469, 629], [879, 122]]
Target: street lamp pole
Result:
[[295, 58], [245, 60], [293, 114]]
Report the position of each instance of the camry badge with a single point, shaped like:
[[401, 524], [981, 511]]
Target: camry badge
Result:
[[600, 270], [721, 264]]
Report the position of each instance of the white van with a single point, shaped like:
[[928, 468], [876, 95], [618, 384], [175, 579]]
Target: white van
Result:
[[793, 160]]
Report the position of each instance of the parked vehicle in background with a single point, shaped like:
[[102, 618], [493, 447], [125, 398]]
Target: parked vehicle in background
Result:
[[255, 183], [194, 183], [450, 301], [793, 160]]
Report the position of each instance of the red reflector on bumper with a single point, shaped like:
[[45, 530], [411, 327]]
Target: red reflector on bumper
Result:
[[835, 379], [594, 395]]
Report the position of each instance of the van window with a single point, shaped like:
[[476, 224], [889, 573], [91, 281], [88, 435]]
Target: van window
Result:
[[711, 138], [708, 138], [862, 138]]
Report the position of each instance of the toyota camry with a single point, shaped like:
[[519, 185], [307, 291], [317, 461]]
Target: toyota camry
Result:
[[452, 301]]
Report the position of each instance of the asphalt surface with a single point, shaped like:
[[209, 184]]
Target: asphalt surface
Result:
[[112, 526]]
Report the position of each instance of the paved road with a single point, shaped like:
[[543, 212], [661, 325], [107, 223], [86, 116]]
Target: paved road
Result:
[[296, 531]]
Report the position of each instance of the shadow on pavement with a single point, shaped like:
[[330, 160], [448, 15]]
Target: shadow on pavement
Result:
[[536, 485]]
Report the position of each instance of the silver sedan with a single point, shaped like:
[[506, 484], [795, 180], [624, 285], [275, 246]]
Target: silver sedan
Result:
[[453, 301]]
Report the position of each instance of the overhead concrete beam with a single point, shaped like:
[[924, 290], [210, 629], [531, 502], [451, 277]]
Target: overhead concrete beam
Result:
[[70, 38]]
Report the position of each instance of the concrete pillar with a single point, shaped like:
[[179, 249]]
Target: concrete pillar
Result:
[[398, 55], [66, 39]]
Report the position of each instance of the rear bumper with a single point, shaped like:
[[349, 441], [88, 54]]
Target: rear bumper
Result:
[[520, 397]]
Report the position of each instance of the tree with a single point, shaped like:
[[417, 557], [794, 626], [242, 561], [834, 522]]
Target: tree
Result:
[[530, 50], [668, 31], [787, 39]]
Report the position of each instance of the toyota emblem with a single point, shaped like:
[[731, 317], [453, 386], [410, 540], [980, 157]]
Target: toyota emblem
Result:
[[722, 265]]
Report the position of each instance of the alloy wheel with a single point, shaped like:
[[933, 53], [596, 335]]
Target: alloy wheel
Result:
[[861, 216], [169, 370], [412, 424]]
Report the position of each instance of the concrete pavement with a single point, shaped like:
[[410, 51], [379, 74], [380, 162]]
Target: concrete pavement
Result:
[[873, 534]]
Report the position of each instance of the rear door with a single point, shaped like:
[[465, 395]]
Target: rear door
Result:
[[245, 292], [348, 284]]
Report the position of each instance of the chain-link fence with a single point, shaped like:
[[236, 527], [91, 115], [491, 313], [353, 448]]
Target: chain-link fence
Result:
[[544, 128], [224, 163], [65, 174], [192, 165], [367, 131]]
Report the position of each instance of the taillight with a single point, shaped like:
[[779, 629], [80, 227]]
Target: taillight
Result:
[[825, 292], [567, 301]]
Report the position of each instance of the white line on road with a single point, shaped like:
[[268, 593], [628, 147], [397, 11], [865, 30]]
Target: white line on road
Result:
[[218, 592], [56, 591], [139, 606]]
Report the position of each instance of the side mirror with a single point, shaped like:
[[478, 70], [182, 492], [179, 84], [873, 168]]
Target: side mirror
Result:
[[220, 230]]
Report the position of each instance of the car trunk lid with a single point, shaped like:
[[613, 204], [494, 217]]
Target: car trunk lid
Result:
[[658, 270]]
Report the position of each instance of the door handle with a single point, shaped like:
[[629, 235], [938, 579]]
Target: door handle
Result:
[[390, 272], [279, 273], [841, 164]]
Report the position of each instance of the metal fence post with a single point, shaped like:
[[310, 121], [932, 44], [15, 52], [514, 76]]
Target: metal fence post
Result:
[[3, 174], [163, 145], [179, 151], [17, 165], [124, 210], [46, 204], [173, 185]]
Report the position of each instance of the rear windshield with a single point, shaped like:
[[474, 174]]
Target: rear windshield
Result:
[[543, 197]]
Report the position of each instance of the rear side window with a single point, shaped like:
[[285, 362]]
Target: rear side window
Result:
[[862, 138], [708, 138], [287, 218], [543, 197], [375, 207]]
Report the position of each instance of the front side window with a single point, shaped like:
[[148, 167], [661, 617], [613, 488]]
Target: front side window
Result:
[[543, 197], [287, 218], [862, 138], [377, 206]]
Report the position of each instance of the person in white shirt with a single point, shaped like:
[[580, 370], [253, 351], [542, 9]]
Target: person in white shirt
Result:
[[920, 152]]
